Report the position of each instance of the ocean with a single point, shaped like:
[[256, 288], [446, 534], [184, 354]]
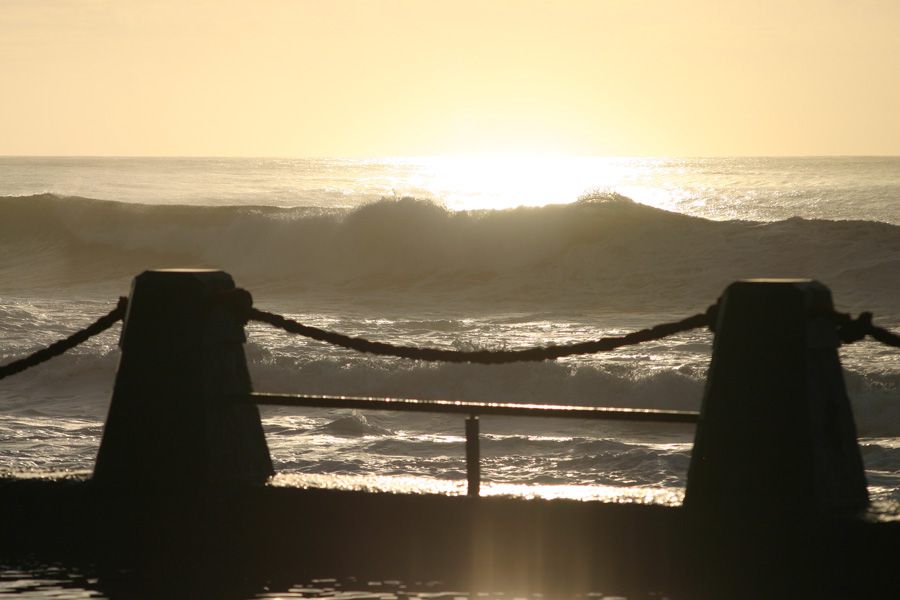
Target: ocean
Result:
[[465, 253]]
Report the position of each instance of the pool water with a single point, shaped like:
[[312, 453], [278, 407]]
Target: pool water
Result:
[[35, 579]]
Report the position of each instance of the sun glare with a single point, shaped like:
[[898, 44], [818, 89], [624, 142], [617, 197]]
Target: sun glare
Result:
[[499, 182]]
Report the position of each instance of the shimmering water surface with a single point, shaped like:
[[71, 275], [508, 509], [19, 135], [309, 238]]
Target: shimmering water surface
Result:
[[61, 582], [483, 253]]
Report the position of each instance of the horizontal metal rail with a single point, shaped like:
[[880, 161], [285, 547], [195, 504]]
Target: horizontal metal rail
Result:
[[473, 410], [477, 408]]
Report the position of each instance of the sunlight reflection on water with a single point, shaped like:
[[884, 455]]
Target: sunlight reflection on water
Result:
[[423, 485]]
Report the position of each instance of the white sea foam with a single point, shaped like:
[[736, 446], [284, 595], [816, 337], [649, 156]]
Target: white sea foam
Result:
[[604, 252]]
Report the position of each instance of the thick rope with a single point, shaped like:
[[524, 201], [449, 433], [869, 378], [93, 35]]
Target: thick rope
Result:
[[60, 346], [487, 357], [240, 302]]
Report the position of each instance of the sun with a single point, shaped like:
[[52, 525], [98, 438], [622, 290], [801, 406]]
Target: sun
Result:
[[496, 182]]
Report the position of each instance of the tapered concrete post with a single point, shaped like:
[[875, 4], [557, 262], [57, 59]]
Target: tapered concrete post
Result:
[[169, 421], [776, 432]]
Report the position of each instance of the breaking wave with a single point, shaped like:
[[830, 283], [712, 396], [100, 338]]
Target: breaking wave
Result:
[[603, 252]]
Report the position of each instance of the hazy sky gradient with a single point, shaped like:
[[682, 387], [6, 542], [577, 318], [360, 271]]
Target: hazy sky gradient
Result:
[[344, 78]]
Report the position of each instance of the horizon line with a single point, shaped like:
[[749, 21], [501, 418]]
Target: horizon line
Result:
[[440, 156]]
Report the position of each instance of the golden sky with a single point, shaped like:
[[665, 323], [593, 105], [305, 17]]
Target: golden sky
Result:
[[435, 77]]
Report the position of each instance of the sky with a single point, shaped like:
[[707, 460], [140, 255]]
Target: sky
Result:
[[434, 77]]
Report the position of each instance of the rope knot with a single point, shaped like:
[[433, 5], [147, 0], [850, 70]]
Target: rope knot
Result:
[[712, 316], [852, 330], [121, 307], [239, 302]]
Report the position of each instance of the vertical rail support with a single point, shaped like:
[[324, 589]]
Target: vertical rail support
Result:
[[473, 457], [182, 353], [776, 434]]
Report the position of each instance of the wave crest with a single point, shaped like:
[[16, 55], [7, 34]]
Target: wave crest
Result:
[[602, 252]]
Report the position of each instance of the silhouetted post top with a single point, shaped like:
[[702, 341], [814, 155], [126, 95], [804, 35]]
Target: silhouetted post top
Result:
[[175, 305], [169, 421], [776, 432]]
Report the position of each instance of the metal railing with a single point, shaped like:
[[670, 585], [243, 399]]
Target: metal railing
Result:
[[473, 410]]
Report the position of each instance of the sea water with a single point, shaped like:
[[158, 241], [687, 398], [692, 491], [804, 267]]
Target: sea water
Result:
[[457, 253]]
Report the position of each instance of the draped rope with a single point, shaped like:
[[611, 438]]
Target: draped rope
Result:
[[60, 346], [240, 303]]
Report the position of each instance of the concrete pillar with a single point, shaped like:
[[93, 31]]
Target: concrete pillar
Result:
[[169, 422], [776, 432]]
